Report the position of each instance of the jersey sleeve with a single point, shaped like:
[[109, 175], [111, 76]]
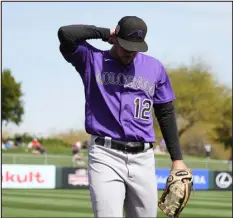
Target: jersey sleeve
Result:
[[163, 88], [82, 57]]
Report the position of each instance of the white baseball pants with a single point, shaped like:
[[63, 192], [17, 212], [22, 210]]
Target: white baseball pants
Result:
[[122, 181]]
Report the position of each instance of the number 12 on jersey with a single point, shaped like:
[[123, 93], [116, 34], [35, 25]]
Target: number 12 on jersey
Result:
[[142, 108]]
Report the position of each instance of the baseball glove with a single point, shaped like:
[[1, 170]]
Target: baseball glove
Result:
[[176, 194]]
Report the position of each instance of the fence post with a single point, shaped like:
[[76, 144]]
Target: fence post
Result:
[[45, 159], [207, 163], [14, 159], [156, 163], [229, 165]]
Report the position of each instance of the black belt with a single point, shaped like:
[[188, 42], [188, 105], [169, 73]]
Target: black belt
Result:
[[127, 147]]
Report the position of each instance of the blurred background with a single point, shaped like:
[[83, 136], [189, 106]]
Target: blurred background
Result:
[[43, 99]]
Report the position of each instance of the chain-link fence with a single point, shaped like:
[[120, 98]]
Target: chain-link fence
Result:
[[66, 160]]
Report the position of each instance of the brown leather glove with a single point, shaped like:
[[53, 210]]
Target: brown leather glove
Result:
[[176, 193]]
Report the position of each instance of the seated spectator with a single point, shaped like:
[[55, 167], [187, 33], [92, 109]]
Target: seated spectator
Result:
[[77, 155], [3, 146], [9, 144], [207, 150], [18, 141], [76, 147], [85, 144], [35, 144], [162, 145], [157, 150], [230, 160]]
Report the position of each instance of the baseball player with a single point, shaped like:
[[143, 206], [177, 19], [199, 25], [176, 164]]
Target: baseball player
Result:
[[122, 87]]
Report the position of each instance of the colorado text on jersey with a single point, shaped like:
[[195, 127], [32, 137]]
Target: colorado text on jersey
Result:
[[110, 78]]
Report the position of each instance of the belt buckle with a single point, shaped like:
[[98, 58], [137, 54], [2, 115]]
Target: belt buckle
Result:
[[127, 149]]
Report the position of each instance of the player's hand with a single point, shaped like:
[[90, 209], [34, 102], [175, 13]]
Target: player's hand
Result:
[[179, 165], [112, 37]]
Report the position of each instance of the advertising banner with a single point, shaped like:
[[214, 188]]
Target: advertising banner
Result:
[[58, 177], [28, 176], [222, 180], [77, 178], [74, 178], [200, 178]]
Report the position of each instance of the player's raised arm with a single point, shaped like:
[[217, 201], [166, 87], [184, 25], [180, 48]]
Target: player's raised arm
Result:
[[72, 36], [75, 49]]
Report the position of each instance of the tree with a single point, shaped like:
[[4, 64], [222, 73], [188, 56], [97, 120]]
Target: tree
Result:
[[197, 95], [223, 127], [12, 105]]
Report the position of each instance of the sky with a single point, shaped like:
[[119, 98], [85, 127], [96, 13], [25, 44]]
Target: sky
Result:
[[53, 91]]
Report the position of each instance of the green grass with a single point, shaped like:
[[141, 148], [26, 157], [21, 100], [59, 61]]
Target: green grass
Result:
[[76, 203]]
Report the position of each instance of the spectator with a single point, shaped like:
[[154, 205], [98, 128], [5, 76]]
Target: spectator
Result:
[[230, 160], [207, 150], [162, 145], [37, 146], [3, 146], [77, 156], [157, 150], [76, 147], [9, 144], [85, 144], [18, 141]]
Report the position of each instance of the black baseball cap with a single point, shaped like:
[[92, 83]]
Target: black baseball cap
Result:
[[131, 32]]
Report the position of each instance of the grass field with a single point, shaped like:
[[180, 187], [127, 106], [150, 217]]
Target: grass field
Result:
[[76, 203]]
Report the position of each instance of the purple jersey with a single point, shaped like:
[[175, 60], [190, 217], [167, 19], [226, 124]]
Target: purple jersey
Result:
[[119, 99]]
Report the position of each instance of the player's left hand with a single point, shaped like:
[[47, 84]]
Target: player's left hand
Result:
[[178, 165], [177, 191]]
